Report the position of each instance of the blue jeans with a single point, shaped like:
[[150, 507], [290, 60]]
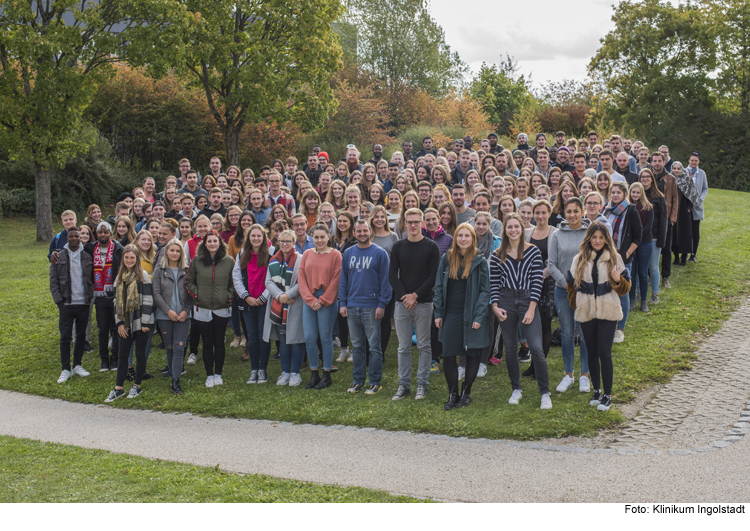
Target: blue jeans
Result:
[[653, 269], [291, 354], [319, 323], [364, 329], [567, 315], [640, 270], [255, 318], [625, 302]]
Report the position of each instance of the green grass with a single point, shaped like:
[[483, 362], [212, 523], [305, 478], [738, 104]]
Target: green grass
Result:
[[33, 471], [657, 346]]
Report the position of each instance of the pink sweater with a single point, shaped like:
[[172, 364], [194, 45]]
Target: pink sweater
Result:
[[320, 271]]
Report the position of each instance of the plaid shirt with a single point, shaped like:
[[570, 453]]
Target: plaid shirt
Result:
[[283, 199]]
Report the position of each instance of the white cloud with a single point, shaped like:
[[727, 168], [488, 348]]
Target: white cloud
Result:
[[551, 40]]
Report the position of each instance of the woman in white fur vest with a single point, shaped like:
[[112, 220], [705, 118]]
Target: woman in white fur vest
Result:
[[596, 280]]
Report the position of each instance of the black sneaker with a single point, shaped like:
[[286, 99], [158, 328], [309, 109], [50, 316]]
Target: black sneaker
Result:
[[147, 376], [130, 376], [524, 356], [88, 348], [605, 403], [275, 357], [114, 395], [134, 392], [692, 258], [104, 367], [401, 393], [112, 363], [355, 388], [165, 372], [373, 389], [596, 398]]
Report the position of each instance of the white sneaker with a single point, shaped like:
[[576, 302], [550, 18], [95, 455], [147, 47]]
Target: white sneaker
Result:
[[210, 381], [80, 371], [192, 359], [342, 355], [482, 372], [461, 373], [283, 379], [619, 336], [566, 383], [295, 379], [584, 385], [64, 376], [546, 402], [218, 380], [349, 357], [515, 397], [235, 342]]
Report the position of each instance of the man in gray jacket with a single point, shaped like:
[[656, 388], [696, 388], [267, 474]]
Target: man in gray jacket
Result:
[[71, 283]]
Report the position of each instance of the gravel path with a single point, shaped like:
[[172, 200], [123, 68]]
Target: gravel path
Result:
[[399, 462]]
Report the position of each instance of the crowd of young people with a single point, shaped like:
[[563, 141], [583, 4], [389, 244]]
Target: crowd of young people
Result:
[[458, 248]]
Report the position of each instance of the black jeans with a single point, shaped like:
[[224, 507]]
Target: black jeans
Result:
[[195, 337], [666, 252], [213, 335], [78, 313], [599, 335], [140, 338], [105, 320]]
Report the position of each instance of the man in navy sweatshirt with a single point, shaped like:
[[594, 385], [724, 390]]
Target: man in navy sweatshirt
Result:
[[364, 292]]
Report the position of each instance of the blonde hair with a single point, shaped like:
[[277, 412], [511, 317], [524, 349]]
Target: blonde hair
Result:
[[643, 200], [182, 263], [458, 260]]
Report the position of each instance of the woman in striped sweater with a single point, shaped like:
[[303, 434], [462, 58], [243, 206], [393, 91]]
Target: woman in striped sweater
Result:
[[516, 278]]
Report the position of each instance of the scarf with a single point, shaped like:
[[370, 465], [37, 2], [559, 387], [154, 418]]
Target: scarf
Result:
[[616, 216], [432, 235], [281, 274], [103, 269], [129, 286], [485, 244], [686, 185]]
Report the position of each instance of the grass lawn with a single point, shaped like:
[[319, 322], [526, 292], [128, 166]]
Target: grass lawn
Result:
[[657, 345], [33, 471]]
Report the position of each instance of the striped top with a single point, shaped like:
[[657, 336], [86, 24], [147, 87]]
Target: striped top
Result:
[[527, 274]]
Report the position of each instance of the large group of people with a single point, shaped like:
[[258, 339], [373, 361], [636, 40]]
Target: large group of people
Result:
[[469, 254]]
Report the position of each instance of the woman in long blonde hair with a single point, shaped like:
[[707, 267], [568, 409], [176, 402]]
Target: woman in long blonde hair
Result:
[[462, 296], [598, 265]]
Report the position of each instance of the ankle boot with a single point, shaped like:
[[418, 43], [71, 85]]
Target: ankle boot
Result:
[[465, 399], [314, 378], [325, 381], [176, 389], [452, 398], [529, 371]]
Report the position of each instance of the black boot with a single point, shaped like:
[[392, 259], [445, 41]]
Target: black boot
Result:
[[452, 399], [314, 379], [113, 363], [676, 260], [683, 260], [325, 381], [176, 389], [529, 371], [465, 399]]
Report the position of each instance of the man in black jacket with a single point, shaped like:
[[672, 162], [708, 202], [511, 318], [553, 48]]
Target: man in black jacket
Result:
[[622, 160], [71, 282], [495, 148], [426, 148], [313, 170], [214, 205]]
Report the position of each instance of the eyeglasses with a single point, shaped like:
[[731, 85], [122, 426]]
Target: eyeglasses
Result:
[[286, 242], [589, 203], [299, 225]]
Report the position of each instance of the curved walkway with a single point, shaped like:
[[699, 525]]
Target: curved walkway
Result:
[[399, 462]]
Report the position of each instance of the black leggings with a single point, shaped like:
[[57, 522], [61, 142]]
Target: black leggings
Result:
[[599, 335], [213, 335], [450, 368], [696, 235], [141, 339]]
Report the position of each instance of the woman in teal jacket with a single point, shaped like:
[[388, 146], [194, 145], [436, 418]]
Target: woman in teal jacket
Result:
[[462, 298]]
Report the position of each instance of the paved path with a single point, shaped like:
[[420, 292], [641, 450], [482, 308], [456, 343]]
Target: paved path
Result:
[[398, 462], [702, 405]]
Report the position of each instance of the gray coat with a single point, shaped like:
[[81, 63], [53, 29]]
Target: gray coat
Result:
[[701, 184], [294, 331], [163, 287]]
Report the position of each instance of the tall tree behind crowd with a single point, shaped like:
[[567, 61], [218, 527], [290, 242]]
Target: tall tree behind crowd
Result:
[[53, 54], [263, 60]]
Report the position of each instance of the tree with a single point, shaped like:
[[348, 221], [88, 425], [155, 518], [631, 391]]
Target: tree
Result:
[[263, 60], [652, 69], [565, 106], [402, 45], [501, 93], [730, 19], [53, 54]]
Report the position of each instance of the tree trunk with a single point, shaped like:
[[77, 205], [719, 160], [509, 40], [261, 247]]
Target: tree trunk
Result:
[[43, 204], [231, 144]]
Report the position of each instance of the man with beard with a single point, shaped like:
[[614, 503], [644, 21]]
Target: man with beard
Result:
[[541, 143], [495, 148], [427, 147], [352, 158], [563, 160], [313, 170], [523, 143], [622, 160], [377, 155], [407, 148]]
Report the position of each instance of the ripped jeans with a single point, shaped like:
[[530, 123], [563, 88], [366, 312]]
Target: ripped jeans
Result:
[[175, 336]]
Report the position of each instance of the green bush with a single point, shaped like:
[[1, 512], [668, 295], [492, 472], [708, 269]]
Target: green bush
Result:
[[17, 201]]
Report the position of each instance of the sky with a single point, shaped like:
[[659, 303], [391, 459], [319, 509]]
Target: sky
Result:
[[551, 40]]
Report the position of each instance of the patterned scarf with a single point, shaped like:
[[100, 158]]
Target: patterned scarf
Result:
[[128, 287], [103, 269], [281, 274], [616, 216], [687, 186]]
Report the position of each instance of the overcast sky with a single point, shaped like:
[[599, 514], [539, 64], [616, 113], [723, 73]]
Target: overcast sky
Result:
[[551, 40]]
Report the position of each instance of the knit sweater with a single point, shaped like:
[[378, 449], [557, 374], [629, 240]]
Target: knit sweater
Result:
[[414, 268], [527, 274], [144, 316], [364, 278], [320, 271]]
